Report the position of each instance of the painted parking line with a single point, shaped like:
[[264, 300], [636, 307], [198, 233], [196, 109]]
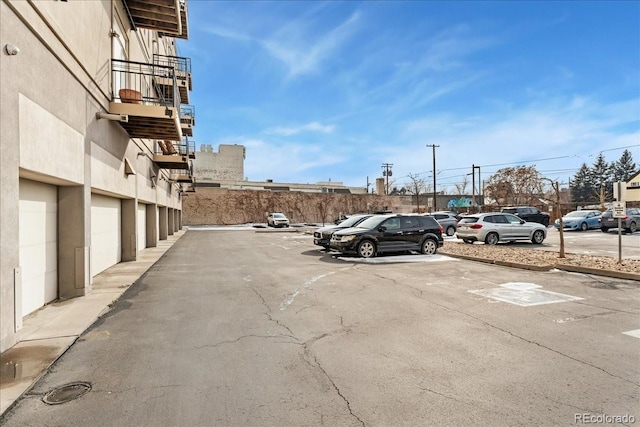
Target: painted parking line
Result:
[[524, 294], [634, 333], [398, 259]]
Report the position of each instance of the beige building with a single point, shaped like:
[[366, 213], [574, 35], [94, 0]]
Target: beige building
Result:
[[95, 121], [225, 165], [633, 189]]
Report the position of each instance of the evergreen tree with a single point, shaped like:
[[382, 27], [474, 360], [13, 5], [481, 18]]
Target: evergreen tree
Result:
[[602, 177], [625, 168], [581, 185]]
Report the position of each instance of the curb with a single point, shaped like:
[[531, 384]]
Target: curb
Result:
[[547, 267], [607, 273], [543, 267]]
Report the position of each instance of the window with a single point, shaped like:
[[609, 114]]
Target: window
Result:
[[392, 223]]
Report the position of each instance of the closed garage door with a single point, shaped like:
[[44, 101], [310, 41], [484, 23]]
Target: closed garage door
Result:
[[142, 226], [106, 247], [38, 248]]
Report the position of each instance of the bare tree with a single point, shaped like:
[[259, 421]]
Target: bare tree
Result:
[[555, 186], [461, 187], [323, 206], [514, 185]]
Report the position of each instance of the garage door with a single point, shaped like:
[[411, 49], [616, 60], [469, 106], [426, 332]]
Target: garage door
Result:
[[38, 247], [106, 247], [142, 226]]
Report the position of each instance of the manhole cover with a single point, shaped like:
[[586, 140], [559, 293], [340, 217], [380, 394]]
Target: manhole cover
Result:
[[66, 393]]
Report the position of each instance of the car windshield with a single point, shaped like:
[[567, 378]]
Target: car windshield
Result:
[[371, 223], [351, 221], [279, 216]]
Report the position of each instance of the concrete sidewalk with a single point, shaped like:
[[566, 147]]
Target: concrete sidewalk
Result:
[[47, 333]]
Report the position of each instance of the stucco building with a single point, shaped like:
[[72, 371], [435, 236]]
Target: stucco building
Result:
[[95, 121]]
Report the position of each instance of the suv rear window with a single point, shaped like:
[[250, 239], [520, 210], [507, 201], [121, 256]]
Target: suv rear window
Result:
[[468, 220], [427, 221], [509, 210]]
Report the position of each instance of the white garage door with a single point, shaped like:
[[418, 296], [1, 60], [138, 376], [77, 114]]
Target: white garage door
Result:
[[38, 247], [106, 247], [142, 226]]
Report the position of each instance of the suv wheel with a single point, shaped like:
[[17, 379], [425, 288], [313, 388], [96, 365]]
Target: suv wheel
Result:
[[429, 247], [604, 229], [545, 222], [538, 237], [451, 230], [492, 239], [366, 249], [633, 227]]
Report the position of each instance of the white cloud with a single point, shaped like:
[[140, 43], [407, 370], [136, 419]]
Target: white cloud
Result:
[[309, 127], [302, 56]]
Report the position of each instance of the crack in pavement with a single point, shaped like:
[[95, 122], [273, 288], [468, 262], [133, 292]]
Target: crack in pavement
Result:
[[312, 361], [269, 313], [221, 343]]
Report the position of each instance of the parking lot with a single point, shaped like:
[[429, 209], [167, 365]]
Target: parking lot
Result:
[[250, 328]]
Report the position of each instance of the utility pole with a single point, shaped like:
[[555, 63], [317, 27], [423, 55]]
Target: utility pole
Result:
[[387, 173], [433, 146], [473, 184], [368, 184]]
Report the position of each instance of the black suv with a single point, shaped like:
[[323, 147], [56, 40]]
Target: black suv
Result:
[[389, 233], [529, 214]]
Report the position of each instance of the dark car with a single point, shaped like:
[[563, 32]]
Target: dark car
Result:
[[629, 222], [448, 221], [529, 214], [322, 236], [390, 233]]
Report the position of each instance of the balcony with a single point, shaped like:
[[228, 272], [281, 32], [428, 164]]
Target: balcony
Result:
[[168, 17], [187, 119], [171, 155], [182, 72], [152, 114], [184, 20], [182, 176]]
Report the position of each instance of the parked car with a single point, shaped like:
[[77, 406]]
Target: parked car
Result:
[[340, 218], [580, 220], [529, 214], [322, 236], [492, 228], [277, 219], [629, 222], [390, 233], [447, 220]]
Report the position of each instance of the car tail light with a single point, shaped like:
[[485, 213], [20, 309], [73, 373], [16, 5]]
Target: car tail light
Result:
[[441, 229], [476, 226]]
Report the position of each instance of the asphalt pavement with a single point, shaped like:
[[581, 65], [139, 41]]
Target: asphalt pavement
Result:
[[53, 330]]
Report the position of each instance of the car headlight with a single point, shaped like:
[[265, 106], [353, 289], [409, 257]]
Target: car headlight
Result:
[[347, 238]]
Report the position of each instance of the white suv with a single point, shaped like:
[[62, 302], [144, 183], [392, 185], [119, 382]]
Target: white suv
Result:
[[277, 219], [492, 228]]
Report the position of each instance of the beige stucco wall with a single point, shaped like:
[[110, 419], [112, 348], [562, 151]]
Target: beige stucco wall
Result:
[[633, 189], [225, 165], [50, 93]]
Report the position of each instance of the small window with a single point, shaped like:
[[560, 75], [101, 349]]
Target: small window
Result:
[[502, 219], [392, 223]]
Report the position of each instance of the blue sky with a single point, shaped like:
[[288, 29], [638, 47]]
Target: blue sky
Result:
[[332, 90]]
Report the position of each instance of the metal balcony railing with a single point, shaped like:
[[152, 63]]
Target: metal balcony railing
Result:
[[179, 63], [184, 148], [188, 114], [137, 83]]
